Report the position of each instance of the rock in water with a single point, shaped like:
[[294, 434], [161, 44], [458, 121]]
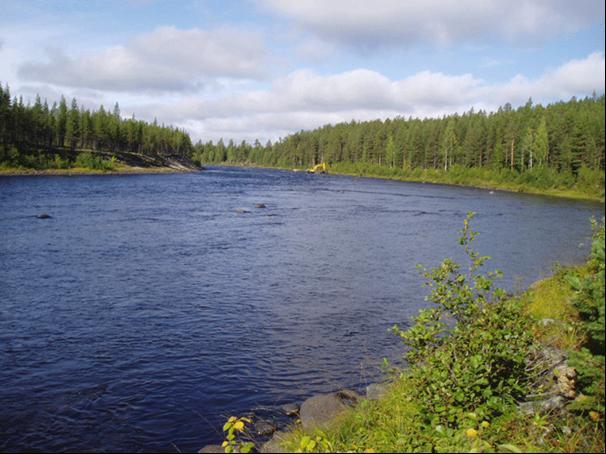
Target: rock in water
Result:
[[264, 428], [290, 409], [241, 211], [318, 411], [260, 205], [43, 216]]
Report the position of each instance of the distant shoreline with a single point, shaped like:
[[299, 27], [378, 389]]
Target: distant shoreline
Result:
[[79, 171], [570, 194], [488, 185]]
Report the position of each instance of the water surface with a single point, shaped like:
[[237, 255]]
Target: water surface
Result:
[[147, 310]]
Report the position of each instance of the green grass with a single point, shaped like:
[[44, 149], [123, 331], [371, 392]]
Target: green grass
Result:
[[549, 303], [590, 187]]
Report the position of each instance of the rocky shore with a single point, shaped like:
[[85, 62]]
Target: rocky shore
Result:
[[315, 412], [558, 388]]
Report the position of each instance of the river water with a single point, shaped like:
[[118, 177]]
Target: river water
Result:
[[147, 309]]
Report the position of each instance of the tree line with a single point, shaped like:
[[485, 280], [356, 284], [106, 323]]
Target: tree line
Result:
[[29, 130], [563, 137], [561, 140]]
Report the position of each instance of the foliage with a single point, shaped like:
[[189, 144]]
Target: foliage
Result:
[[467, 353], [589, 298], [590, 381], [88, 161], [313, 444], [589, 301], [234, 428]]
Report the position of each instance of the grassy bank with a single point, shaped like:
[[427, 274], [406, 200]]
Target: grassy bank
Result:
[[82, 163], [488, 372], [590, 187], [543, 182], [115, 170]]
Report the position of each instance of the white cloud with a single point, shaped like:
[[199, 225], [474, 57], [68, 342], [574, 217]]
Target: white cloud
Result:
[[570, 79], [166, 59], [304, 99], [367, 24]]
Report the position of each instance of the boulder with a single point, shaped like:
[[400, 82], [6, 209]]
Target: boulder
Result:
[[566, 381], [319, 411], [263, 428], [375, 390], [348, 396], [211, 449], [290, 409], [275, 444], [549, 405]]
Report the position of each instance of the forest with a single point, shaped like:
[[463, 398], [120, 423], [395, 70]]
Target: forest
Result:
[[61, 136], [558, 145]]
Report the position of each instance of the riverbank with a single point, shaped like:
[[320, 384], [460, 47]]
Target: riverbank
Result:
[[522, 374], [73, 171], [474, 178]]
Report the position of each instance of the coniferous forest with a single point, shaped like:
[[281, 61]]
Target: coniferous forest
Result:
[[62, 135], [560, 145]]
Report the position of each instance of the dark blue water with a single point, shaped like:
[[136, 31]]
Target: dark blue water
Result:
[[147, 310]]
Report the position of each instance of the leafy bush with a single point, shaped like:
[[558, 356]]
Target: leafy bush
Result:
[[590, 380], [88, 161], [234, 428], [589, 298], [467, 353]]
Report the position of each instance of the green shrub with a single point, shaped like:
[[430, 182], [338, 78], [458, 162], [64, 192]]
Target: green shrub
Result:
[[467, 353], [589, 297], [88, 161]]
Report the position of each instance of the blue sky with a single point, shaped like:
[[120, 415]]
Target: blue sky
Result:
[[264, 68]]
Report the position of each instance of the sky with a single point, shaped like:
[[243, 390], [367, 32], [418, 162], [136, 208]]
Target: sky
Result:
[[262, 69]]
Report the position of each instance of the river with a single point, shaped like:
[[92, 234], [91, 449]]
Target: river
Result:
[[147, 308]]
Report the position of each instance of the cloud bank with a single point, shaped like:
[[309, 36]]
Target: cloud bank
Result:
[[166, 59], [367, 24], [304, 99]]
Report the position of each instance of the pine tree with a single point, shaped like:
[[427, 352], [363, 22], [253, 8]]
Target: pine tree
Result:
[[541, 144]]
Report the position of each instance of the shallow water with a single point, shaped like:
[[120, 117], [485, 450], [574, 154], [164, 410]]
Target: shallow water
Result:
[[146, 309]]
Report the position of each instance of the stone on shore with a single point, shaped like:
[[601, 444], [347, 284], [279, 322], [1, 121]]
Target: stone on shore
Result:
[[210, 449], [566, 381], [274, 445], [375, 390], [319, 411], [549, 405]]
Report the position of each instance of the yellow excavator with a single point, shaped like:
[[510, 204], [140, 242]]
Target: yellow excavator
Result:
[[318, 168]]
